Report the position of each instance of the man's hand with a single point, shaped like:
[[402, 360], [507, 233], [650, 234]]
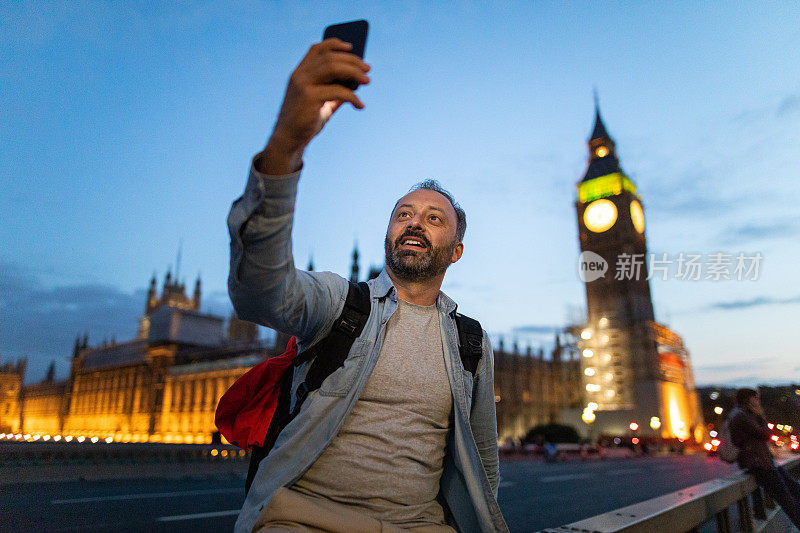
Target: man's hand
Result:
[[311, 98]]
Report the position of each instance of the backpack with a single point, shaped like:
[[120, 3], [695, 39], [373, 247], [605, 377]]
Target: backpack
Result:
[[255, 408], [727, 450]]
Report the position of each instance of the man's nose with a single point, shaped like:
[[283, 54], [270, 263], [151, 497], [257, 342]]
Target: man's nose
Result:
[[415, 222]]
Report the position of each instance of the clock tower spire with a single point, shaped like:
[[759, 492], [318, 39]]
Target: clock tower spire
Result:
[[602, 150]]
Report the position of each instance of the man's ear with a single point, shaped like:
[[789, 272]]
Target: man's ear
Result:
[[458, 251]]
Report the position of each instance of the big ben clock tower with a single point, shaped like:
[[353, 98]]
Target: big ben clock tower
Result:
[[636, 371]]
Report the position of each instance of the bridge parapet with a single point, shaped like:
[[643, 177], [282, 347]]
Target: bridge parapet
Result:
[[686, 510]]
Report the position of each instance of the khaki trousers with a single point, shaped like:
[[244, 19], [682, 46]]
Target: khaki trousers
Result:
[[290, 511]]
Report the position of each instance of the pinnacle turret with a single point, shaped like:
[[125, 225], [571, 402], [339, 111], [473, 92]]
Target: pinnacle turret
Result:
[[355, 268]]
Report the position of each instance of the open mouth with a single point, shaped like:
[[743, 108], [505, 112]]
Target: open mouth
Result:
[[410, 242]]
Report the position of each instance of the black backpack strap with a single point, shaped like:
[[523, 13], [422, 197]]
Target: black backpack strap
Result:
[[470, 341], [335, 347]]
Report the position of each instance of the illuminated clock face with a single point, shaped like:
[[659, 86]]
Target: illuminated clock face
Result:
[[600, 215], [637, 216], [601, 151]]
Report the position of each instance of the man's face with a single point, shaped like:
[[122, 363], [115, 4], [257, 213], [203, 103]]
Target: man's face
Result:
[[754, 403], [421, 238]]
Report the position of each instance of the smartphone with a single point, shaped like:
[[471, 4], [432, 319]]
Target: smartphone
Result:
[[355, 33]]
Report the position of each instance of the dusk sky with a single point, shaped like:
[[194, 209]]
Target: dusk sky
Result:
[[126, 130]]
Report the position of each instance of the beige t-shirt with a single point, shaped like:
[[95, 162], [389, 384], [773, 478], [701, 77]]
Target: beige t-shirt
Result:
[[387, 459]]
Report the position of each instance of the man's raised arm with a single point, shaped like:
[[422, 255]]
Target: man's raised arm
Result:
[[263, 283]]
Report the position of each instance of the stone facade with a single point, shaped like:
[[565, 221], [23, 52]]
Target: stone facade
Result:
[[532, 390], [10, 389]]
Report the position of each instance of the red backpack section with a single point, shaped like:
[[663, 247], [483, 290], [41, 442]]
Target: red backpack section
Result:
[[246, 409]]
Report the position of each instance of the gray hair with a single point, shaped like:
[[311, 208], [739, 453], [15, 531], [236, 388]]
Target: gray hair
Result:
[[461, 216]]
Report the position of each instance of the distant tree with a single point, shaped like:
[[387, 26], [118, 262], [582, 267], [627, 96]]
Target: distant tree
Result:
[[556, 433]]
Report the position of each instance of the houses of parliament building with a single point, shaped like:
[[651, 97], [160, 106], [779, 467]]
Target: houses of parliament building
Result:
[[164, 385]]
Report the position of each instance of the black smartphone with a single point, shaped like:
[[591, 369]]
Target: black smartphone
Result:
[[355, 33]]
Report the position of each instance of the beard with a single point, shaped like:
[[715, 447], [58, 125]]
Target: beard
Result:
[[414, 265]]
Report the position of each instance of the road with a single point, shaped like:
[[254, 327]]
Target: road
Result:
[[533, 495]]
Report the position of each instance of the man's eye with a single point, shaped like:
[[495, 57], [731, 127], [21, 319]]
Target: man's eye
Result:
[[403, 214], [434, 218]]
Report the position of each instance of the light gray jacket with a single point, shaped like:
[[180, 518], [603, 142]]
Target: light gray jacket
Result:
[[266, 288]]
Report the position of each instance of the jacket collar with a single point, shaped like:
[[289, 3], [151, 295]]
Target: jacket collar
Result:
[[382, 286]]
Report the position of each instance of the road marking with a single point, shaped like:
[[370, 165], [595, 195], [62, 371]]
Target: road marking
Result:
[[145, 495], [622, 471], [565, 477], [195, 516], [505, 484]]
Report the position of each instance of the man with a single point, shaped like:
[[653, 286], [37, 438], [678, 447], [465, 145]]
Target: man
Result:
[[401, 437], [750, 433]]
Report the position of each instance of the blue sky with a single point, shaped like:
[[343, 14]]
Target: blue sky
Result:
[[125, 130]]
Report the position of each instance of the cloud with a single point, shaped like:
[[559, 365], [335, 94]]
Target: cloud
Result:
[[754, 302], [788, 105], [759, 231], [731, 367], [40, 323], [537, 328], [712, 179], [780, 109], [750, 373], [747, 380]]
